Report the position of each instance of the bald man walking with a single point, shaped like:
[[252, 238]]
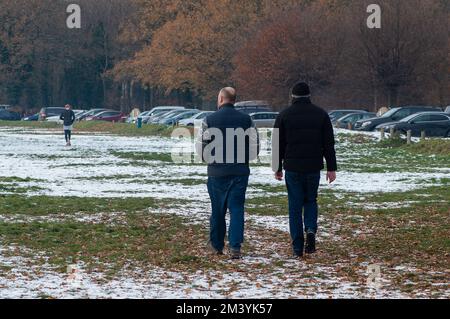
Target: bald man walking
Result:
[[227, 143]]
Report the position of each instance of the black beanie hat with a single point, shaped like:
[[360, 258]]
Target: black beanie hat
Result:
[[301, 89]]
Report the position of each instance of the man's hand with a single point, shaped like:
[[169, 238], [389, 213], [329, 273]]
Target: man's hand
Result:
[[331, 177], [279, 176]]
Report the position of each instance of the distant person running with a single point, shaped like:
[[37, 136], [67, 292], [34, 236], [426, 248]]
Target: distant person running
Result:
[[68, 116]]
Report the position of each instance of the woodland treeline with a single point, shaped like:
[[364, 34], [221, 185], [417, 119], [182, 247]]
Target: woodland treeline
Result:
[[143, 53]]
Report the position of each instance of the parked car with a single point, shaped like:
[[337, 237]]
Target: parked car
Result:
[[194, 119], [250, 107], [352, 118], [433, 123], [80, 114], [393, 115], [156, 119], [9, 116], [34, 117], [165, 108], [58, 120], [90, 113], [264, 119], [140, 116], [158, 112], [173, 120], [49, 112], [108, 116], [337, 114], [155, 115]]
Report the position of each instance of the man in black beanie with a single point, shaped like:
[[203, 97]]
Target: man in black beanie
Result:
[[302, 138]]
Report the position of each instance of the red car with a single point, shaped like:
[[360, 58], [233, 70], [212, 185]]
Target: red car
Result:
[[108, 116]]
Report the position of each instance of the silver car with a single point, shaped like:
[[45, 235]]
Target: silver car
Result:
[[194, 119], [158, 111]]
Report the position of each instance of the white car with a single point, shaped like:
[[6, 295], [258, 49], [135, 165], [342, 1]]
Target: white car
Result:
[[194, 120]]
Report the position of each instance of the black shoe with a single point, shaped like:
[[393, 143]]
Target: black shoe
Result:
[[213, 250], [297, 254], [310, 243], [235, 254]]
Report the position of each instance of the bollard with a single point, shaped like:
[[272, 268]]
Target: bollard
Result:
[[383, 136], [392, 132], [423, 135], [338, 124], [350, 126], [139, 122], [408, 137]]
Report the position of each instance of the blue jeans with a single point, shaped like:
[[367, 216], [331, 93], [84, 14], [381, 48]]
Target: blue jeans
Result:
[[227, 193], [302, 192]]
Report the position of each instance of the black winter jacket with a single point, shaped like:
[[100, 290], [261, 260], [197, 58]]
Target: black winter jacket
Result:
[[305, 136], [68, 116], [214, 151]]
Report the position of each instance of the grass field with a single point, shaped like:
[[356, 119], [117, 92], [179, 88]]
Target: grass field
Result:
[[136, 224], [124, 129]]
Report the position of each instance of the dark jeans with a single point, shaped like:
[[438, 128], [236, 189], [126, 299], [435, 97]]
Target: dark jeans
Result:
[[68, 135], [302, 191], [227, 193]]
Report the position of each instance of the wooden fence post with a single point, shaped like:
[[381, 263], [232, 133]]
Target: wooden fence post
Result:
[[350, 126], [392, 132], [408, 137], [423, 135], [383, 135]]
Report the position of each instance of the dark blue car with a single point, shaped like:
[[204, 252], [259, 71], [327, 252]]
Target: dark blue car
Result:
[[9, 116], [432, 123]]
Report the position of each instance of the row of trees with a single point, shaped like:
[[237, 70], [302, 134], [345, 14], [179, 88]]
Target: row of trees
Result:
[[148, 52], [43, 62], [348, 64]]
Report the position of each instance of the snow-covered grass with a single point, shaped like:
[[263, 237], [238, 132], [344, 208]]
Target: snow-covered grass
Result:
[[98, 166], [105, 183]]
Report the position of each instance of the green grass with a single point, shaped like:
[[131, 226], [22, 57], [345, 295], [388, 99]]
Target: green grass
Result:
[[125, 129], [275, 203], [27, 124], [144, 156], [395, 141], [48, 205], [146, 180], [433, 146], [438, 147], [16, 188], [360, 153], [159, 240], [14, 179]]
